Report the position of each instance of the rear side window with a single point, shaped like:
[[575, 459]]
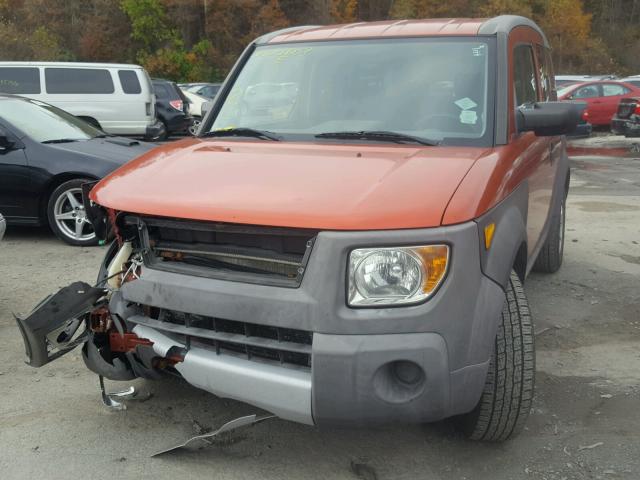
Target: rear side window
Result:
[[524, 75], [209, 91], [161, 91], [78, 80], [19, 80], [613, 89], [129, 81]]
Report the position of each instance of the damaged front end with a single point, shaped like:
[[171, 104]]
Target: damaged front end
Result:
[[79, 314]]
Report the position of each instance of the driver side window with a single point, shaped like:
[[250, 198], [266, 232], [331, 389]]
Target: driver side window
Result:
[[524, 75]]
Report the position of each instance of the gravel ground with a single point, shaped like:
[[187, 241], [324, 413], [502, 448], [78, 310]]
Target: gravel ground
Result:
[[584, 424]]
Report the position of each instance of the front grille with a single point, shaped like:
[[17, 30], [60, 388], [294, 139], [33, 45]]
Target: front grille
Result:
[[252, 254], [285, 346]]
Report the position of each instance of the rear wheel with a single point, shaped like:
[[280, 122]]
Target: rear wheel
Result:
[[67, 217], [506, 399], [550, 257]]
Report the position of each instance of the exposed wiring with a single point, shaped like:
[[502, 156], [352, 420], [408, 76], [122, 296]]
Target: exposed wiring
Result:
[[108, 278]]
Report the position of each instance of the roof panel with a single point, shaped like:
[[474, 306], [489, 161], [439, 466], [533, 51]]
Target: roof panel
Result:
[[392, 28]]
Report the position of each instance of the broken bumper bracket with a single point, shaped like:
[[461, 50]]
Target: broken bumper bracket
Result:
[[53, 328]]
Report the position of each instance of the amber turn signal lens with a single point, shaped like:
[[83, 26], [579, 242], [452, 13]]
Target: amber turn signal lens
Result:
[[435, 259], [488, 235]]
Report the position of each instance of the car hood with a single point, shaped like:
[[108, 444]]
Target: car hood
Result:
[[118, 150], [304, 185]]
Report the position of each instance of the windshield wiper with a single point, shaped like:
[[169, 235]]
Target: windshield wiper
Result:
[[243, 132], [380, 135], [61, 140]]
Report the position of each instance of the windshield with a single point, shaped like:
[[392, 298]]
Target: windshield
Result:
[[431, 88], [45, 123]]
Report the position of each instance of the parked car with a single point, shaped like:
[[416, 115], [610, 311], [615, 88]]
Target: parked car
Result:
[[171, 108], [3, 226], [116, 98], [208, 90], [602, 98], [194, 107], [583, 129], [566, 80], [354, 252], [627, 119], [635, 80], [46, 154]]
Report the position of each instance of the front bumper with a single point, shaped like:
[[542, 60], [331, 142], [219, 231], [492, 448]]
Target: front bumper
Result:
[[300, 353], [353, 376]]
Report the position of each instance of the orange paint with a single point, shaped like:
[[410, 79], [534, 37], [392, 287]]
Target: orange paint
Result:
[[385, 29], [304, 185]]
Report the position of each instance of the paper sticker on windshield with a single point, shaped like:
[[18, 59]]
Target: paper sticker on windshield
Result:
[[478, 51], [469, 117], [466, 103]]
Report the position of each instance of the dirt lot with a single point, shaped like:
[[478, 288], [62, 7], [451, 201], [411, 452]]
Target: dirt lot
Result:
[[584, 425]]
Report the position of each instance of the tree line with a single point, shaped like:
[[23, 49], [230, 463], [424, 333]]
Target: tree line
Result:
[[199, 40]]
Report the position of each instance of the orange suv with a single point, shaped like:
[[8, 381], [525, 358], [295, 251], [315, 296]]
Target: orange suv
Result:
[[345, 240]]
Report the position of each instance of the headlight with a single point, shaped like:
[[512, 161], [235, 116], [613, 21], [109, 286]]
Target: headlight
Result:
[[395, 276]]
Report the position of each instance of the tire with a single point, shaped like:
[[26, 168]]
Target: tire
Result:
[[506, 399], [550, 257], [195, 125], [66, 214], [165, 133]]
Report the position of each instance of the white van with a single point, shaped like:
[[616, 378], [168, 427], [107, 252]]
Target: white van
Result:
[[118, 98]]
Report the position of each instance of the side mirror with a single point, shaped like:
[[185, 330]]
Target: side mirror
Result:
[[206, 106], [549, 118]]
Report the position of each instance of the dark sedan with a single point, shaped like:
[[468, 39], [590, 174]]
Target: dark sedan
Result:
[[627, 119], [46, 154]]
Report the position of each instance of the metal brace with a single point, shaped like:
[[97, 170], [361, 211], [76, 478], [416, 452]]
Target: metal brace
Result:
[[109, 399]]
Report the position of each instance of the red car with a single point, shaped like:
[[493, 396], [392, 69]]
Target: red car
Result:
[[602, 98]]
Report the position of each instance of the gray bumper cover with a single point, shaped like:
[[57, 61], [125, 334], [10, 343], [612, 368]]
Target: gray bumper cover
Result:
[[450, 337], [284, 392]]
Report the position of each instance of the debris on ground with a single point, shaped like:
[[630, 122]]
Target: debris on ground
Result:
[[590, 447]]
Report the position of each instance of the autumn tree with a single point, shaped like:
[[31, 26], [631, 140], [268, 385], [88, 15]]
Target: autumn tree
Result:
[[568, 29], [344, 11], [232, 24], [506, 7]]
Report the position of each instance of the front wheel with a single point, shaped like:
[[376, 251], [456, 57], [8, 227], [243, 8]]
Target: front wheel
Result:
[[67, 217], [506, 399]]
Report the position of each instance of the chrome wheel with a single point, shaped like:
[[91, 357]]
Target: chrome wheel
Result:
[[70, 216], [193, 128]]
